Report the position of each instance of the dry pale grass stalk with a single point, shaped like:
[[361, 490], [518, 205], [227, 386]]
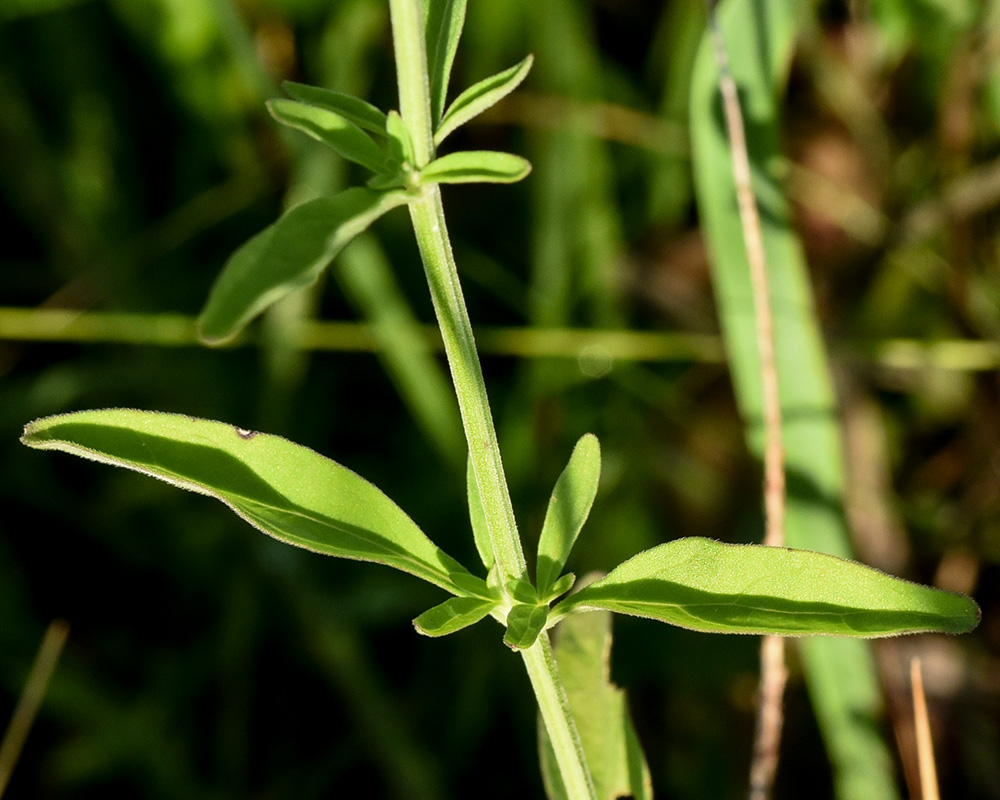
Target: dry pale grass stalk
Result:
[[925, 747], [31, 698], [767, 737]]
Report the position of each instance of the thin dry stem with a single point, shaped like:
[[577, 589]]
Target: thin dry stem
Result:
[[767, 737], [31, 699], [925, 747]]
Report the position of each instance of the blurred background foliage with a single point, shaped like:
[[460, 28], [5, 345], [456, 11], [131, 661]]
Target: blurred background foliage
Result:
[[207, 661]]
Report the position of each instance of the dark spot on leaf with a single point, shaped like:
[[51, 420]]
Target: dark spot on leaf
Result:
[[243, 433]]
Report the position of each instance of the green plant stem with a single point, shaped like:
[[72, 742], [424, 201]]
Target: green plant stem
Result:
[[427, 214]]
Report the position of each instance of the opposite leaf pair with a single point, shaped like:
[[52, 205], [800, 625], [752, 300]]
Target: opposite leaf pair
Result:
[[305, 499]]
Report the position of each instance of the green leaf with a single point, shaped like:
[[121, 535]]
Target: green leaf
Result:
[[568, 509], [288, 255], [343, 137], [477, 515], [443, 22], [476, 166], [709, 586], [561, 586], [353, 109], [400, 144], [452, 615], [481, 96], [600, 709], [524, 623], [288, 491]]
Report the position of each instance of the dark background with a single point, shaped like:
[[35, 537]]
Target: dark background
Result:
[[207, 661]]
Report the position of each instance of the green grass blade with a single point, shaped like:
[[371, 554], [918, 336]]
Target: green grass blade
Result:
[[848, 699], [353, 109], [481, 96], [476, 166], [284, 489], [345, 138], [443, 21], [288, 255], [709, 586], [618, 765], [453, 615], [568, 509]]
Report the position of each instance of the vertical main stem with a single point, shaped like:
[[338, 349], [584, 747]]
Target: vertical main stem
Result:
[[427, 214]]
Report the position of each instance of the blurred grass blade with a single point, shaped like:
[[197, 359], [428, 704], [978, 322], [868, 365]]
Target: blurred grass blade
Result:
[[481, 96], [706, 585], [288, 255], [31, 699], [284, 489], [476, 166], [443, 22], [840, 673], [524, 622], [409, 359], [353, 109], [568, 509], [453, 615], [343, 137], [477, 515], [615, 757]]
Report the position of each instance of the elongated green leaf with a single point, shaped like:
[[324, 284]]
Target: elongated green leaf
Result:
[[353, 109], [561, 586], [288, 491], [400, 144], [452, 615], [568, 509], [524, 623], [477, 515], [476, 166], [343, 137], [481, 96], [600, 709], [710, 586], [288, 255], [443, 22]]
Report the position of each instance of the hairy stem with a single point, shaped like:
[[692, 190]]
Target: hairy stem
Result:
[[427, 214]]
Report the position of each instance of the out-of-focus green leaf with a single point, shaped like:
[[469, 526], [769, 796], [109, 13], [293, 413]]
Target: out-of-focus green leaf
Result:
[[400, 144], [443, 22], [710, 586], [568, 509], [483, 95], [343, 137], [353, 109], [476, 166], [288, 255], [284, 489], [614, 755], [452, 615], [524, 622]]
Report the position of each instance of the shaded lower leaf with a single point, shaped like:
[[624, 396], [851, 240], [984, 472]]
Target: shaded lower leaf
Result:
[[288, 255], [452, 615], [286, 490], [710, 586], [614, 755], [476, 166]]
